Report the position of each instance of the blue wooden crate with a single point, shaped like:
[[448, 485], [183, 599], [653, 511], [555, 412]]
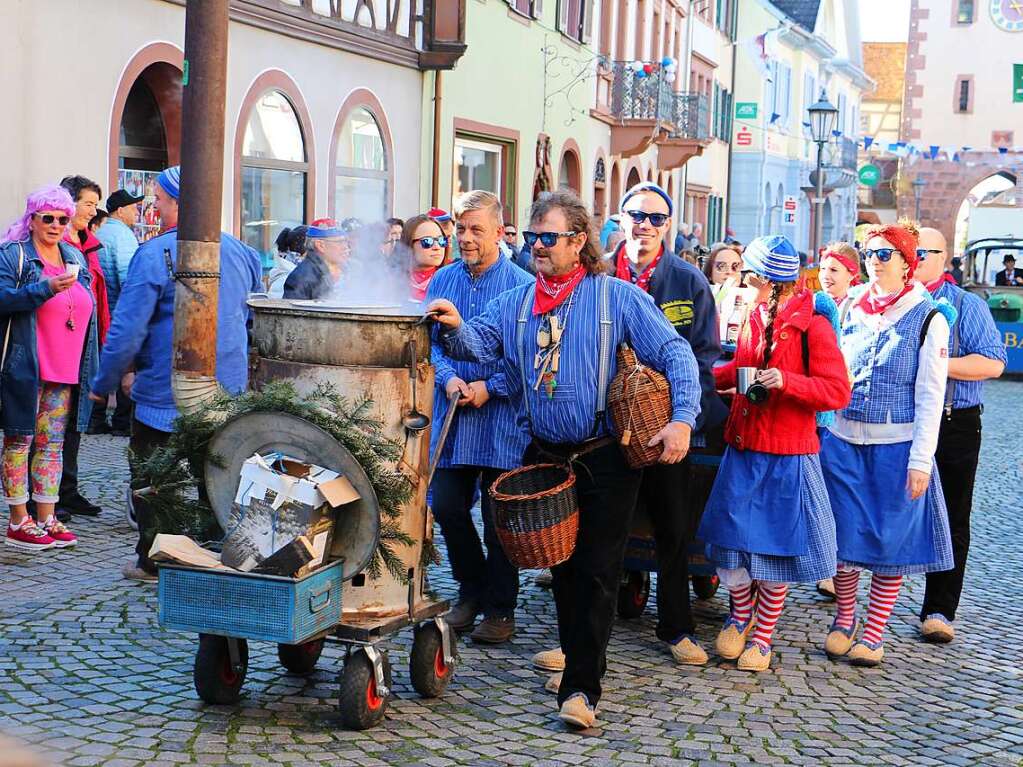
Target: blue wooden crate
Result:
[[250, 606]]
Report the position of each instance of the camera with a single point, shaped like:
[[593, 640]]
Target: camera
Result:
[[757, 393]]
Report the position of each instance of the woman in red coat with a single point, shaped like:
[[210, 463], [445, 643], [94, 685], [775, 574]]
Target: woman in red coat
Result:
[[768, 518]]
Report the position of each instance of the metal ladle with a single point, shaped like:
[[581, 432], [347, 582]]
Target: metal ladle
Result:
[[414, 421]]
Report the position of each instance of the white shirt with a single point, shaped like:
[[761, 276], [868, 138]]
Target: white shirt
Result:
[[931, 378]]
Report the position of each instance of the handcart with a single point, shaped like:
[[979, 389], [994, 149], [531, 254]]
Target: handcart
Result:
[[640, 550]]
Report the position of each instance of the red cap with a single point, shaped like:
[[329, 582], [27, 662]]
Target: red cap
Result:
[[438, 214]]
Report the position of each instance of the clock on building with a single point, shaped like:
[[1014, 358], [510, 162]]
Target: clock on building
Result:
[[1008, 14]]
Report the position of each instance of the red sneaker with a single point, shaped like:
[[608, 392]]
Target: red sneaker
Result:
[[62, 537], [29, 537]]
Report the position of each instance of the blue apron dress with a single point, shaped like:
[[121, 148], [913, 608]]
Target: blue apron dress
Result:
[[880, 528], [770, 514]]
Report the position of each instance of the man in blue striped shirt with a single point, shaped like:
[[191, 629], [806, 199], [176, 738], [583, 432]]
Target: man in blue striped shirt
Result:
[[484, 439], [557, 339], [976, 354]]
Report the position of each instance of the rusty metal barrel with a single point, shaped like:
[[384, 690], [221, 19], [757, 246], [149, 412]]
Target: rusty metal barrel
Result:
[[361, 351]]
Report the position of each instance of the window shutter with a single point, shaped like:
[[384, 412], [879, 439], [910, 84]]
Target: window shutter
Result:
[[563, 15], [587, 20]]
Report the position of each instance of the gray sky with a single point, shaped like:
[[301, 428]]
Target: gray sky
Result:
[[884, 21]]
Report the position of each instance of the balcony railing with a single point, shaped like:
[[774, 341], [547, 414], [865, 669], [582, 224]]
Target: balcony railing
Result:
[[844, 154], [640, 98], [692, 116]]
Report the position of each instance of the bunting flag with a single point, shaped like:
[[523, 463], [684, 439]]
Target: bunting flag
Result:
[[934, 151], [1003, 150], [867, 141], [775, 117]]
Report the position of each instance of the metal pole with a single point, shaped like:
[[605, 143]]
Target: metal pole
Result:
[[818, 204], [917, 194], [202, 181]]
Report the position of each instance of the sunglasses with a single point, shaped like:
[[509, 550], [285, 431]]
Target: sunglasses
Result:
[[724, 266], [428, 242], [656, 219], [882, 254], [547, 239], [922, 253], [49, 218]]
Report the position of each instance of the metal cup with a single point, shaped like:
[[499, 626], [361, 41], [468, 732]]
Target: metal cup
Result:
[[744, 378]]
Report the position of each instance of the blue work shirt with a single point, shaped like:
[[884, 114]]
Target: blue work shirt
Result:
[[141, 331], [977, 334], [490, 435], [568, 415]]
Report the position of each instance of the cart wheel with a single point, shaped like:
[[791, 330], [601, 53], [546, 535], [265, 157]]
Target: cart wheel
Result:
[[216, 680], [430, 674], [705, 586], [362, 705], [300, 658], [633, 593]]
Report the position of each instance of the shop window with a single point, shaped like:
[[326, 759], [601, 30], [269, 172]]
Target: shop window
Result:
[[273, 171], [964, 11], [361, 169], [483, 162]]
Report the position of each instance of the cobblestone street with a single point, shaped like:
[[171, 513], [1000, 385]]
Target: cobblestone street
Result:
[[87, 674]]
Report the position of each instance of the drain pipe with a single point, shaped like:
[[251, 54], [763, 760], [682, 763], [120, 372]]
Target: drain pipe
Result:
[[438, 101], [194, 374]]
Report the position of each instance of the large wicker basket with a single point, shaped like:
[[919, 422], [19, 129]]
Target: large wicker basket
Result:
[[640, 403], [536, 514]]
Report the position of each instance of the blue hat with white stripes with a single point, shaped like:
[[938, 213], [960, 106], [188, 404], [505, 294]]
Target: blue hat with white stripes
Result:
[[773, 257], [170, 180]]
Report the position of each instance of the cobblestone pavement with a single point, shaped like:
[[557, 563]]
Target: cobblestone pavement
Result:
[[86, 670]]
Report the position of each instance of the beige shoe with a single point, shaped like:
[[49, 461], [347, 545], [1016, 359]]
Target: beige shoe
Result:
[[840, 640], [577, 712], [550, 660], [755, 658], [863, 654], [826, 588], [937, 629], [688, 652], [553, 683], [732, 638]]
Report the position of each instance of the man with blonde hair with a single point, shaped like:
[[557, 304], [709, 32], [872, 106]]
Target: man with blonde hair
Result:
[[485, 439]]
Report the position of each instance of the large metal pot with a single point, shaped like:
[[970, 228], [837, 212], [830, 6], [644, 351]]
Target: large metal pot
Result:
[[360, 354]]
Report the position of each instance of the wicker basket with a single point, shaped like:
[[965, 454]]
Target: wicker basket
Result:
[[640, 403], [536, 514]]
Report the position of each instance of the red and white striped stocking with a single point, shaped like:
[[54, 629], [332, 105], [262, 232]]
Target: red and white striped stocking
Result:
[[884, 590], [742, 602], [847, 584], [770, 600]]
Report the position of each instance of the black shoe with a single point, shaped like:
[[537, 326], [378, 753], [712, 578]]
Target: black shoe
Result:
[[115, 432], [79, 506], [494, 629], [98, 428], [462, 617]]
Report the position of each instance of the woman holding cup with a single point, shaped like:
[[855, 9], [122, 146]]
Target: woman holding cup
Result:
[[48, 322], [878, 456], [768, 518]]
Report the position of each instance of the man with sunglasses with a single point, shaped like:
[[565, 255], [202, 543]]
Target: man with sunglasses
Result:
[[976, 354], [556, 338], [322, 269], [681, 292], [485, 439]]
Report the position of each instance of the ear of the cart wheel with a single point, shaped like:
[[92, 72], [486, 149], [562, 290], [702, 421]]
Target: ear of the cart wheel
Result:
[[357, 529]]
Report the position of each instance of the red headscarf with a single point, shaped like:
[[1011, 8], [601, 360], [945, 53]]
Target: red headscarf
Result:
[[905, 238], [852, 266]]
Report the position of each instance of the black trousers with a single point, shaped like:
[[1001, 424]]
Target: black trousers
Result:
[[586, 585], [664, 494], [72, 443], [489, 578], [144, 440], [956, 456]]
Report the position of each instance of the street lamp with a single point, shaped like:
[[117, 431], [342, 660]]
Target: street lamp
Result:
[[918, 191], [822, 123]]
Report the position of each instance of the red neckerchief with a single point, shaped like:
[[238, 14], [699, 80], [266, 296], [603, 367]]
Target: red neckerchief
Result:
[[624, 272], [872, 305], [420, 280], [551, 292], [934, 286]]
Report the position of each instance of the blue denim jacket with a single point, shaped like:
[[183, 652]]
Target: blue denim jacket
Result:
[[142, 326], [20, 296]]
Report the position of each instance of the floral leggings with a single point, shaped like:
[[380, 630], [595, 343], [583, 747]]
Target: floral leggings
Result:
[[48, 459]]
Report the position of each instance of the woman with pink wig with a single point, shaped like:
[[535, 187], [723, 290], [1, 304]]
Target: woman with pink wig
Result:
[[49, 352]]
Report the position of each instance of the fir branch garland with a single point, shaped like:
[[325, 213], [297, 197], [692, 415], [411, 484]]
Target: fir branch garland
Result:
[[174, 472]]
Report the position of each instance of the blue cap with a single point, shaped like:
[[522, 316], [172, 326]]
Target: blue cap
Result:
[[772, 257], [322, 228], [170, 180], [647, 186]]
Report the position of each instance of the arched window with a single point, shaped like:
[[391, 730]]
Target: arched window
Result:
[[274, 171], [361, 174]]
